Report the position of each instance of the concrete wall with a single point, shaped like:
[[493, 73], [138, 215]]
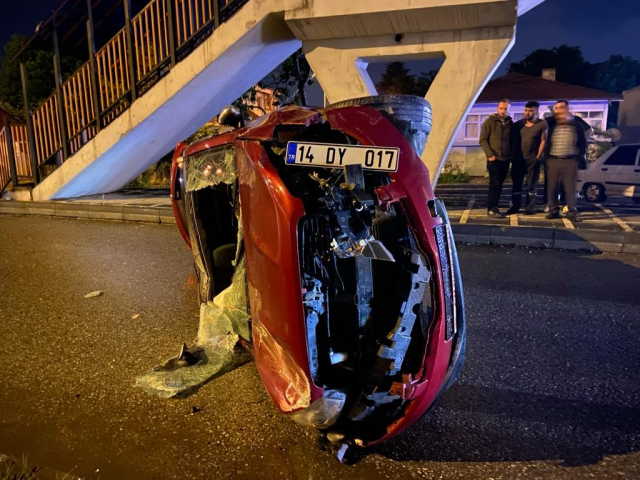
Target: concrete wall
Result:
[[472, 36]]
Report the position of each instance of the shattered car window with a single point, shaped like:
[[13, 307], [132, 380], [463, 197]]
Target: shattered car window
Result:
[[210, 167]]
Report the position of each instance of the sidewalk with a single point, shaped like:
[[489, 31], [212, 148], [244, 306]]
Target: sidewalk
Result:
[[613, 228], [143, 205]]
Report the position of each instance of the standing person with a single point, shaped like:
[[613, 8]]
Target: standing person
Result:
[[529, 138], [495, 140], [566, 146], [587, 129]]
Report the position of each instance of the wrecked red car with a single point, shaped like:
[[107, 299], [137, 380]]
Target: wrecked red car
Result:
[[353, 290]]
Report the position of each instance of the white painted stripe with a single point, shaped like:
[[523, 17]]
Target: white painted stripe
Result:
[[513, 220], [465, 215], [567, 224], [613, 217]]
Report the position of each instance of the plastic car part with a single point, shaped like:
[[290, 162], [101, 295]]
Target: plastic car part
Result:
[[221, 324], [323, 412]]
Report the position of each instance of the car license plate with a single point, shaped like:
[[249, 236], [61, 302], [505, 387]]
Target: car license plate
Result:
[[328, 155]]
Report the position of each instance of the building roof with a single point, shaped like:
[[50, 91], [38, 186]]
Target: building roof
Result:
[[518, 87]]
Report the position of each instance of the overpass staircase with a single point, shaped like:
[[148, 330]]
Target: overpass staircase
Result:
[[176, 63]]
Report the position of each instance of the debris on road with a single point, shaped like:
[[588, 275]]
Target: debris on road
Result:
[[97, 293], [135, 317]]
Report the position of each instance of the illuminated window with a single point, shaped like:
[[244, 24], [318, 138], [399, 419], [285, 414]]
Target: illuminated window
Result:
[[472, 126], [593, 118]]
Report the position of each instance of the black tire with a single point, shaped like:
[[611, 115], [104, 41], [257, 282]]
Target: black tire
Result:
[[410, 114], [594, 192]]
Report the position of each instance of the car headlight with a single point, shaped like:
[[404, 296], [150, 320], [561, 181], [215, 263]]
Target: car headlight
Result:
[[323, 412]]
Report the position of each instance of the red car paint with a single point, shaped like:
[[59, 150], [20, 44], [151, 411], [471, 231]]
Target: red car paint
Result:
[[270, 220]]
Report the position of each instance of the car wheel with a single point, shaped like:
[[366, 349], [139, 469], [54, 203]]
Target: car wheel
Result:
[[410, 114], [594, 192]]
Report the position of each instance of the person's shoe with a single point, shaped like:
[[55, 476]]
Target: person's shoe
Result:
[[572, 217], [512, 211], [495, 213], [552, 215], [546, 209]]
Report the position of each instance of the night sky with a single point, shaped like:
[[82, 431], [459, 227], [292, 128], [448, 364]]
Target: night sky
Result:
[[601, 28]]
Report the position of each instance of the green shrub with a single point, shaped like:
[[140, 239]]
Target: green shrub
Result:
[[157, 175], [455, 176]]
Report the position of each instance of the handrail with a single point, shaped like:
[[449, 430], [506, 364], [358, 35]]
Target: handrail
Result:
[[19, 155], [152, 50]]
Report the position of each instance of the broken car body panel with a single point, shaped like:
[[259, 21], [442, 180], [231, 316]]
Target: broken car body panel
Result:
[[404, 373]]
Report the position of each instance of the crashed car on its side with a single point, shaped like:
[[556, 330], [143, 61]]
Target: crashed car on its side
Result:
[[354, 293]]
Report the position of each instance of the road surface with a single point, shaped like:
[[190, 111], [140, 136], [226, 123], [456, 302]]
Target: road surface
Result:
[[550, 388]]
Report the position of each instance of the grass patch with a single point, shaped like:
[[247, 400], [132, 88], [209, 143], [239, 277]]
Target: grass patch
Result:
[[453, 177]]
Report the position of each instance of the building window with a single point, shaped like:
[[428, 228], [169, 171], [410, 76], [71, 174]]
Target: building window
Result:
[[594, 118], [472, 126]]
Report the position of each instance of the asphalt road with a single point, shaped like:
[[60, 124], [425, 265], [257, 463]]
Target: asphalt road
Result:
[[550, 388], [614, 214]]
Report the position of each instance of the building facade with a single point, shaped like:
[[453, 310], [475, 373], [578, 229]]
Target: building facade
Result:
[[467, 156]]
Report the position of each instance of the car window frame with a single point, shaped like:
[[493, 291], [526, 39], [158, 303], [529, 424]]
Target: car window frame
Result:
[[613, 156]]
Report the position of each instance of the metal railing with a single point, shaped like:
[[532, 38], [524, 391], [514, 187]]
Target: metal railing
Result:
[[161, 34], [15, 161]]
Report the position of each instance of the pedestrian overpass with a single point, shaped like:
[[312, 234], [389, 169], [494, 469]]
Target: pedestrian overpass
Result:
[[176, 63]]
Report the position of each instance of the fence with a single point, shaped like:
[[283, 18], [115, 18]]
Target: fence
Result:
[[162, 33], [16, 152]]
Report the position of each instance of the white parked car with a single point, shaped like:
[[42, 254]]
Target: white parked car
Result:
[[615, 173]]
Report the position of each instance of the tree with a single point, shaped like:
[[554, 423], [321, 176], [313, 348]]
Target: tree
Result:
[[569, 63], [293, 73], [615, 75], [39, 65], [396, 80]]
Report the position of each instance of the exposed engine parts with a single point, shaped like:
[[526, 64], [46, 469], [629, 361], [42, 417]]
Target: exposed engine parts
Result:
[[353, 250]]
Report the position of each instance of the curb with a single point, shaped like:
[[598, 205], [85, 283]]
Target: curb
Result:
[[595, 241], [123, 213]]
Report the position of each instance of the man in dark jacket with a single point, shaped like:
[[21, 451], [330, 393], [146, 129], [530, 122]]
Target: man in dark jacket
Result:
[[529, 138], [587, 129], [495, 140], [566, 146]]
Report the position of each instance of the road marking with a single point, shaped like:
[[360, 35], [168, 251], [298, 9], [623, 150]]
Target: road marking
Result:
[[613, 217], [465, 215], [513, 219], [567, 224]]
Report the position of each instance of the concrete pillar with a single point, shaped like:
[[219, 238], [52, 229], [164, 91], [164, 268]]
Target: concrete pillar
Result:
[[471, 57]]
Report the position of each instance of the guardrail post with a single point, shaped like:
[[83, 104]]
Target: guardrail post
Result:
[[57, 70], [30, 134], [92, 66], [216, 13], [10, 151], [130, 52], [170, 7]]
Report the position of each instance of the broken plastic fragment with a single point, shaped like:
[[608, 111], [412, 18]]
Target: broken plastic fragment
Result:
[[221, 324]]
